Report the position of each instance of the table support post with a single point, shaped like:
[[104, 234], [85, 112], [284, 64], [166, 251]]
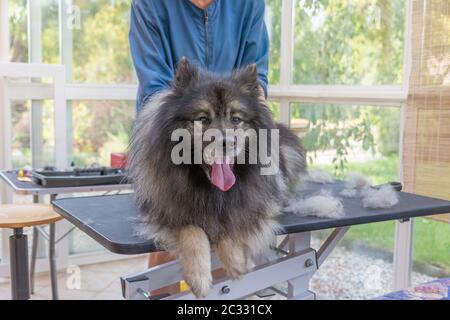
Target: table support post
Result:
[[298, 288], [20, 283], [403, 254]]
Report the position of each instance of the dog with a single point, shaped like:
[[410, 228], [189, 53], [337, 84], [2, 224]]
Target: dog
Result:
[[218, 204]]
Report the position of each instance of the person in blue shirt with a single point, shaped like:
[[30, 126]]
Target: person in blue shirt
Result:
[[217, 35]]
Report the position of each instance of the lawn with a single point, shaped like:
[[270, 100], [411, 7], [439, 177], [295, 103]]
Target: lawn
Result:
[[431, 238]]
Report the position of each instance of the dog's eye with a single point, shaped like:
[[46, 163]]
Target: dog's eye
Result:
[[236, 120]]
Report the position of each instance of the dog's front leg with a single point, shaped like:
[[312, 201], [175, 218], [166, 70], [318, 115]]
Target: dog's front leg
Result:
[[232, 255], [194, 252]]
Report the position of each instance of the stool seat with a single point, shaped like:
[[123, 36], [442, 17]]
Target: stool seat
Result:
[[26, 215]]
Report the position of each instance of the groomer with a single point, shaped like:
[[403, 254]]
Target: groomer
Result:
[[217, 35]]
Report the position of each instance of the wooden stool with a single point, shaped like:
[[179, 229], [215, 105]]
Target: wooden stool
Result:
[[17, 217]]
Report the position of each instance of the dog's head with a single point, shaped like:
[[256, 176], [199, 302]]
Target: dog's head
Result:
[[211, 107]]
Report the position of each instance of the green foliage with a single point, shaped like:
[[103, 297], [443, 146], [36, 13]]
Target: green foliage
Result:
[[101, 52], [344, 42], [348, 42], [379, 170], [17, 10], [273, 21], [339, 128]]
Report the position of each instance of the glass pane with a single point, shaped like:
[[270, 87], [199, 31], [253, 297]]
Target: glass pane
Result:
[[349, 42], [50, 31], [342, 139], [100, 128], [431, 250], [80, 242], [274, 106], [273, 22], [21, 134], [18, 25], [100, 42], [360, 267]]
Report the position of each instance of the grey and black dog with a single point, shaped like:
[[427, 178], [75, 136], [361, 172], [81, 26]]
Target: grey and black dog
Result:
[[225, 206]]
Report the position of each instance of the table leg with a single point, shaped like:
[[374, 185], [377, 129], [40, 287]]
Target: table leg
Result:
[[34, 250], [52, 258], [33, 257], [298, 288], [20, 283]]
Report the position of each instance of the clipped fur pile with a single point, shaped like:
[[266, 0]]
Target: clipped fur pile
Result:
[[382, 198], [325, 205], [322, 205], [319, 176]]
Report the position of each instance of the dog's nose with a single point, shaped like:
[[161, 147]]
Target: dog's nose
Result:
[[228, 142]]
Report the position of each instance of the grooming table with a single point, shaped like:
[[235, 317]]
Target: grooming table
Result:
[[112, 220]]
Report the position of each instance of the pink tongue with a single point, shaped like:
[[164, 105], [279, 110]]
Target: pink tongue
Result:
[[222, 176]]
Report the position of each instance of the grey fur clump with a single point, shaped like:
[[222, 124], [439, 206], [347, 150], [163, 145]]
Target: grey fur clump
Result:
[[382, 198]]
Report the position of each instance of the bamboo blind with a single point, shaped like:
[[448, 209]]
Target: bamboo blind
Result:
[[426, 144]]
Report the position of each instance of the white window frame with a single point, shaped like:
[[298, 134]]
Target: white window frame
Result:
[[285, 93]]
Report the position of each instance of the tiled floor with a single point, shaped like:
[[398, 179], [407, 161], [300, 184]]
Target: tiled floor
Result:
[[98, 282]]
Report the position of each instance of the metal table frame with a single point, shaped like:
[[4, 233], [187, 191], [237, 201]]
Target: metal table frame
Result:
[[293, 261], [21, 286]]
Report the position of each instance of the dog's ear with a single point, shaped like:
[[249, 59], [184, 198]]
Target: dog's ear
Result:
[[186, 74], [248, 79]]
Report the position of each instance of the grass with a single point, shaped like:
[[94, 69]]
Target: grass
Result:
[[431, 238]]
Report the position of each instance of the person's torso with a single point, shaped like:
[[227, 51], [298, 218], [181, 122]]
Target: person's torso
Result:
[[213, 38]]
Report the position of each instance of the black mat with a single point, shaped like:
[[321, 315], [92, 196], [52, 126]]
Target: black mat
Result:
[[10, 177], [111, 220]]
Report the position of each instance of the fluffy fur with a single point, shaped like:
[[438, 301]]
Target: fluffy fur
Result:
[[322, 205], [379, 198], [357, 181], [319, 176], [188, 214]]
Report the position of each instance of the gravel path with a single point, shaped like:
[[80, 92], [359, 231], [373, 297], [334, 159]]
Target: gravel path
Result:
[[349, 274]]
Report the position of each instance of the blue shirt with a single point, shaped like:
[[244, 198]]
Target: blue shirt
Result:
[[229, 34]]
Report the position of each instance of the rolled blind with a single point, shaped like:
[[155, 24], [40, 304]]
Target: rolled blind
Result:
[[426, 140]]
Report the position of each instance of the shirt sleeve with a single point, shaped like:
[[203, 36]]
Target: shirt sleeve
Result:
[[147, 50], [257, 45]]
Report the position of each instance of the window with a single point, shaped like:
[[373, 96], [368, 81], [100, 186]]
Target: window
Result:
[[100, 128], [21, 134], [353, 138], [273, 22], [341, 138], [349, 42], [101, 52], [431, 249], [18, 25], [360, 267]]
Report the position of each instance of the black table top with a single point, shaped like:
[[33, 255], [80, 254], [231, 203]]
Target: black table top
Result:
[[112, 220]]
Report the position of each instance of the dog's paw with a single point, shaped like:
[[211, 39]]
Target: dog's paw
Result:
[[236, 269], [200, 284], [237, 266]]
